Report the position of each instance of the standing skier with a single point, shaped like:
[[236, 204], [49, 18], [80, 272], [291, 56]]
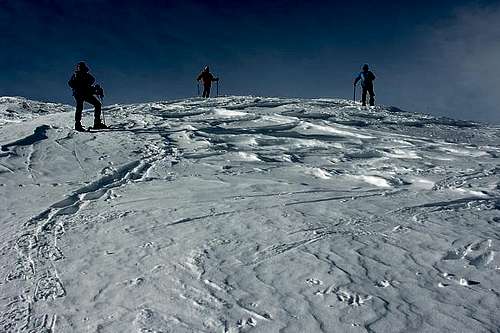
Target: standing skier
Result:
[[206, 78], [367, 78], [83, 90]]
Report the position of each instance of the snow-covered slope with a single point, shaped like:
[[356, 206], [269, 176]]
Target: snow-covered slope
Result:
[[244, 214], [17, 109]]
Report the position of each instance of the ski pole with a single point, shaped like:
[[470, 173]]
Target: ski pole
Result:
[[217, 88], [354, 94], [102, 110], [198, 86]]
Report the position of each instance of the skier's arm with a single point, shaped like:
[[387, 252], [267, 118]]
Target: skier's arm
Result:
[[357, 79], [91, 79], [373, 76], [71, 81], [199, 77]]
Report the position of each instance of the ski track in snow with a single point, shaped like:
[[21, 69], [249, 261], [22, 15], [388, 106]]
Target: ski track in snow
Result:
[[243, 214]]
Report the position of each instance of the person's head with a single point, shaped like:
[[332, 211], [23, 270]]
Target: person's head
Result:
[[82, 67], [206, 69], [365, 67]]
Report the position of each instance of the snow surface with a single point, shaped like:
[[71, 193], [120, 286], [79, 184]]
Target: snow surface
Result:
[[246, 214]]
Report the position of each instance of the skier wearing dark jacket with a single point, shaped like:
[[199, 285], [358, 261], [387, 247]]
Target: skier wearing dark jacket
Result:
[[206, 78], [83, 90], [367, 78]]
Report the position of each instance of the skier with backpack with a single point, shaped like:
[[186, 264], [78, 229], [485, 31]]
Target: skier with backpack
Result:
[[367, 78], [206, 78], [84, 90]]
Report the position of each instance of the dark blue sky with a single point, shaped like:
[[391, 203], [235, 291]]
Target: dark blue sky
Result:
[[432, 56]]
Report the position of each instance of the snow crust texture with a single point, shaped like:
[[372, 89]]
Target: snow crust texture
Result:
[[246, 214]]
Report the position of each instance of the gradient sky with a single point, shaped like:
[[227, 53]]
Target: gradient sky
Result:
[[440, 57]]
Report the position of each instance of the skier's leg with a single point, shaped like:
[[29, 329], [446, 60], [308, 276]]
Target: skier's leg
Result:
[[78, 112], [372, 96], [97, 109], [363, 96], [206, 91]]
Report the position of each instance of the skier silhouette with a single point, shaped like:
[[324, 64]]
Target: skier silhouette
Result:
[[206, 78], [367, 78], [83, 90]]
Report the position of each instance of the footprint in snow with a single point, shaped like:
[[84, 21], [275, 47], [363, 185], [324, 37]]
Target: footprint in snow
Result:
[[345, 296], [460, 281], [478, 254], [246, 322], [133, 282], [314, 282], [383, 284]]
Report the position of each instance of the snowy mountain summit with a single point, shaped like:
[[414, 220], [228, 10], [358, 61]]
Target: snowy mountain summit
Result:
[[245, 214]]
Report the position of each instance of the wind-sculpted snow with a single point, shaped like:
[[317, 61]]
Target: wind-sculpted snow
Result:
[[246, 214], [18, 109]]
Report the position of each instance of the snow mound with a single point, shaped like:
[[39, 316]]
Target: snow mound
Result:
[[18, 109], [242, 214]]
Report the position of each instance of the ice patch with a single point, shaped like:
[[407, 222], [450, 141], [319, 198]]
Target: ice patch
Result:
[[330, 129], [224, 113], [422, 183], [471, 192], [403, 142], [249, 157], [399, 153], [374, 180], [188, 128], [318, 173], [464, 152]]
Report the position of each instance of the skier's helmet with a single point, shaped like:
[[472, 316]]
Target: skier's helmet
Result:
[[82, 67], [365, 67], [206, 69]]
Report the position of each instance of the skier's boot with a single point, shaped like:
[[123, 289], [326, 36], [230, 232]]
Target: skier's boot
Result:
[[99, 125], [79, 127]]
